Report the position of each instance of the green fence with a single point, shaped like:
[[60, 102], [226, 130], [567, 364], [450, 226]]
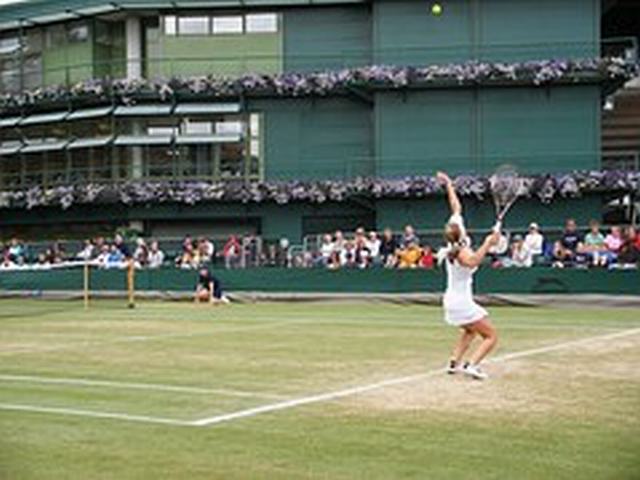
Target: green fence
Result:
[[515, 281]]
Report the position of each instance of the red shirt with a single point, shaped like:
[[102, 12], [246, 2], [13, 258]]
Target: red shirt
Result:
[[427, 260]]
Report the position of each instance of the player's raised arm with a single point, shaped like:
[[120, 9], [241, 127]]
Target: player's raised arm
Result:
[[454, 201], [471, 259]]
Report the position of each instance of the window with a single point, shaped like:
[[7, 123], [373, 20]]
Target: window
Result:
[[170, 27], [193, 25], [9, 45], [78, 32], [33, 41], [161, 131], [55, 36], [262, 23], [231, 160], [223, 25], [229, 128], [255, 146], [197, 128]]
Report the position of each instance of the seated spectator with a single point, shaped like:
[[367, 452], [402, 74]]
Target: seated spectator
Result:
[[388, 248], [594, 246], [410, 256], [348, 258], [634, 235], [156, 256], [628, 254], [209, 289], [16, 251], [565, 250], [141, 253], [374, 247], [521, 256], [87, 252], [534, 240], [120, 244], [103, 256], [499, 253], [231, 252], [189, 259], [428, 259], [409, 237], [363, 254], [326, 251], [206, 250], [115, 258], [614, 240]]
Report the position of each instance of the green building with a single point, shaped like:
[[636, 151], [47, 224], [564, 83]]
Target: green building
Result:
[[61, 138]]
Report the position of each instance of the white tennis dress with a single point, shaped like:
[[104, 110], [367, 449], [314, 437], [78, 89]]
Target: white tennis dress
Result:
[[459, 306]]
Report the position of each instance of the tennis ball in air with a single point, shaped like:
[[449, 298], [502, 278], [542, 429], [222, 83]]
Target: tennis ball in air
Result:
[[436, 9]]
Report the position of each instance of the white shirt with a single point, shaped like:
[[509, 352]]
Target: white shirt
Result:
[[156, 258], [534, 242], [374, 247], [522, 257], [326, 249]]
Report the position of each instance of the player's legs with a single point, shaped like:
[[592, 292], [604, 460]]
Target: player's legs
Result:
[[460, 348], [487, 331]]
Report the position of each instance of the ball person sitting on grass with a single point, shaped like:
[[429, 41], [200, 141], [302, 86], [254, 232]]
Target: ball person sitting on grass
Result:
[[209, 289]]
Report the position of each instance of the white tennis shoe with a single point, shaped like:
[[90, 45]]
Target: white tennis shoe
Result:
[[475, 372], [453, 367]]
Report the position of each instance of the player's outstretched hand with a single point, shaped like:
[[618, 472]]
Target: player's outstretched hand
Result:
[[443, 178]]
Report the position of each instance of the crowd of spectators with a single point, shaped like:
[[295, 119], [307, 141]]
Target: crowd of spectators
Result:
[[619, 247]]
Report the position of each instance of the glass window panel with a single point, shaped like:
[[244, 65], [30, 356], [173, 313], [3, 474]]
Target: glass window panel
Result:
[[162, 131], [78, 32], [33, 41], [80, 165], [229, 128], [262, 23], [102, 170], [197, 128], [170, 25], [55, 36], [33, 72], [56, 168], [11, 169], [255, 148], [254, 123], [222, 25], [34, 168], [193, 25], [9, 46], [232, 160], [159, 161]]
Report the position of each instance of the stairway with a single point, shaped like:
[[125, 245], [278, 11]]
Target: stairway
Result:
[[621, 129]]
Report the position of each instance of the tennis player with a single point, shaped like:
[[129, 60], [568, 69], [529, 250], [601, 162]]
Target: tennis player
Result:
[[460, 309]]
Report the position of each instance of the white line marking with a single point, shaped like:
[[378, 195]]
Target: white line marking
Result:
[[88, 413], [323, 397], [347, 392], [84, 382]]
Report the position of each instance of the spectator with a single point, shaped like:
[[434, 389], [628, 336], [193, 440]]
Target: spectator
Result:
[[565, 250], [87, 252], [348, 255], [115, 258], [428, 259], [363, 254], [103, 257], [327, 247], [206, 250], [231, 252], [120, 244], [534, 241], [521, 256], [594, 246], [635, 237], [141, 253], [16, 251], [388, 248], [500, 251], [614, 240], [156, 256], [374, 247], [628, 254], [409, 237], [410, 256]]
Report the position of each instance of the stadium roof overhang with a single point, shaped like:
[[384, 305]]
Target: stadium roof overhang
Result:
[[39, 12]]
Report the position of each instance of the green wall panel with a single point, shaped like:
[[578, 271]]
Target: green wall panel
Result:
[[419, 132], [406, 32], [540, 130], [535, 280], [327, 38], [310, 139]]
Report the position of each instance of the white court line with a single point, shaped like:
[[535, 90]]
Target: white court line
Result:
[[92, 414], [323, 397], [347, 392], [84, 382]]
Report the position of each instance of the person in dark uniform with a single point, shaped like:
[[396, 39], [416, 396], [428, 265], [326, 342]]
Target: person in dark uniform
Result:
[[209, 289]]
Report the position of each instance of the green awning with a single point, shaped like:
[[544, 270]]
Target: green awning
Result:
[[44, 118], [142, 140], [9, 122], [206, 108], [143, 110], [44, 147], [89, 142], [200, 139], [90, 113], [10, 149]]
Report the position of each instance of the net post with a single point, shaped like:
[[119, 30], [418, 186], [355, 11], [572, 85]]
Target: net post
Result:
[[85, 284], [131, 284]]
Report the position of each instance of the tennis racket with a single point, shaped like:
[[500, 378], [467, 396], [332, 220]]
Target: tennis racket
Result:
[[505, 186]]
